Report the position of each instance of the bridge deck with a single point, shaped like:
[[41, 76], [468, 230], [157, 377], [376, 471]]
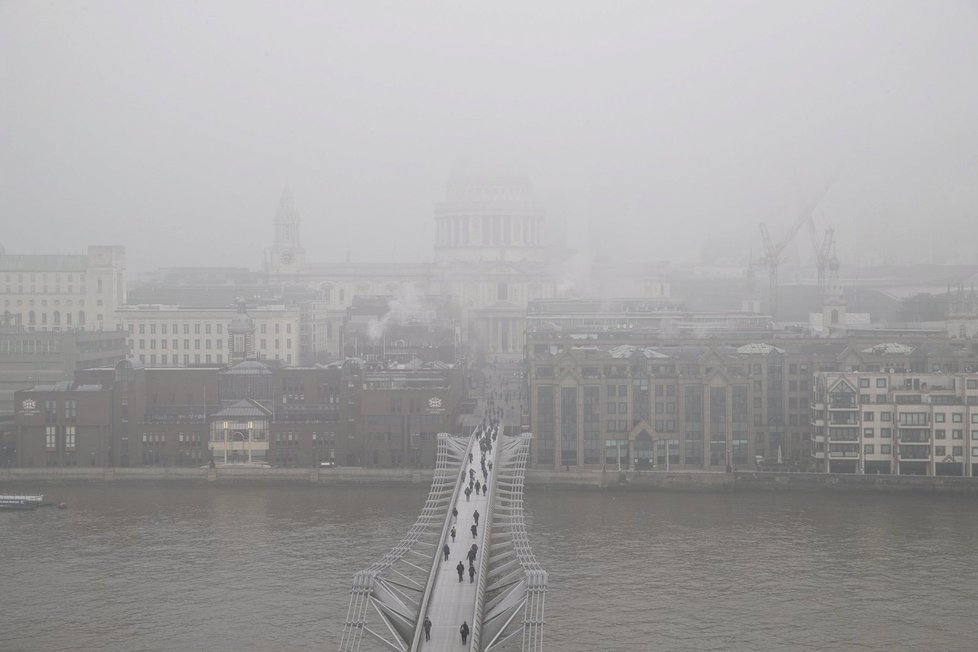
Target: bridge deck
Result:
[[453, 602]]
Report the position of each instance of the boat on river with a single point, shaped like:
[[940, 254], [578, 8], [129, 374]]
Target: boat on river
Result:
[[21, 501]]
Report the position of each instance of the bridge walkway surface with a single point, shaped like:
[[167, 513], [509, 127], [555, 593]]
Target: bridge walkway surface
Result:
[[451, 601], [503, 604]]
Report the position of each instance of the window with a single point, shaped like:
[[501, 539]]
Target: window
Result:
[[69, 437], [885, 433], [957, 434], [51, 438], [884, 416], [940, 434], [939, 417], [940, 451], [913, 418], [867, 416], [972, 383], [885, 449], [864, 382], [957, 451], [881, 382], [868, 432], [868, 449]]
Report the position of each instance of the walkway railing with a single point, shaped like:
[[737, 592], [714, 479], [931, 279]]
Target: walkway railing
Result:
[[394, 588]]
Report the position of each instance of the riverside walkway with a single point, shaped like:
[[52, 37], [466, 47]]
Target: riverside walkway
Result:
[[502, 602]]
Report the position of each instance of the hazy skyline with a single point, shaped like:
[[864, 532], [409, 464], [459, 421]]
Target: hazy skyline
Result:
[[171, 127]]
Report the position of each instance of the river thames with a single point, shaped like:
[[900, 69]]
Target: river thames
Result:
[[232, 567]]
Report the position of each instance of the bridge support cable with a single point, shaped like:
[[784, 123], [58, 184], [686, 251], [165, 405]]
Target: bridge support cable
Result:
[[388, 598], [514, 593]]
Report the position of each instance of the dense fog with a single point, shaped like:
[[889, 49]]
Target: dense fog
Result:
[[171, 128]]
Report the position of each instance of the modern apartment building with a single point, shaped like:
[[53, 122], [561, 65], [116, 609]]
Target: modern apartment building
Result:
[[897, 423]]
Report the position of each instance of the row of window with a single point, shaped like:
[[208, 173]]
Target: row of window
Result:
[[939, 451], [205, 328]]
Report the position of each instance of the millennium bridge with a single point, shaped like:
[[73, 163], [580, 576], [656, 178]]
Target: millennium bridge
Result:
[[499, 595]]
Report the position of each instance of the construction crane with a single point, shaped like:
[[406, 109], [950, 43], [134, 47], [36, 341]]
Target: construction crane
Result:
[[824, 255], [772, 252]]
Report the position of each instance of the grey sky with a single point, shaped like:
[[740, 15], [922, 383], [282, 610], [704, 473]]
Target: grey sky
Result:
[[171, 127]]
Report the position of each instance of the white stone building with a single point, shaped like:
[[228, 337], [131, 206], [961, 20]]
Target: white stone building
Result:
[[63, 292], [173, 336]]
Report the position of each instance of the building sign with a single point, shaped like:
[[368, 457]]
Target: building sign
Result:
[[435, 405], [28, 408]]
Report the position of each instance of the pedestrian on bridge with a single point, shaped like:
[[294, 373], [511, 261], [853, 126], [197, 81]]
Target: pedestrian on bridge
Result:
[[470, 555], [471, 573], [455, 513], [475, 515], [485, 489], [478, 487], [461, 570], [464, 631], [475, 530], [468, 492], [453, 534], [446, 550], [427, 628]]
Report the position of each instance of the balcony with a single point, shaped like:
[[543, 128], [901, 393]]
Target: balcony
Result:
[[914, 453], [843, 454]]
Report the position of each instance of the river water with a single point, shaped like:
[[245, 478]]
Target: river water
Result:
[[165, 567]]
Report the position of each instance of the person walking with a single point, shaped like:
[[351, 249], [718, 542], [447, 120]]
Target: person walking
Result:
[[446, 550], [478, 487], [475, 515], [464, 631], [475, 530], [455, 513], [485, 489], [471, 573], [427, 628], [468, 492], [453, 534], [470, 555], [461, 570]]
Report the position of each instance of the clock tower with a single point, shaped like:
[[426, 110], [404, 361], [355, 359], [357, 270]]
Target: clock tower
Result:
[[286, 254]]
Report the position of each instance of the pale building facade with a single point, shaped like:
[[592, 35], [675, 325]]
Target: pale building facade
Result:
[[171, 336], [63, 292], [896, 423]]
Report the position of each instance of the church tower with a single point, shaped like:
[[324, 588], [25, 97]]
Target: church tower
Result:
[[286, 254]]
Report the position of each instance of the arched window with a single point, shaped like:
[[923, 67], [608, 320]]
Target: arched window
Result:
[[81, 317], [67, 319], [31, 318], [57, 317], [835, 316]]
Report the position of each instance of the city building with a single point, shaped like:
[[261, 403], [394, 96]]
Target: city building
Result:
[[622, 390], [175, 336], [28, 358], [63, 292], [251, 413], [899, 423]]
